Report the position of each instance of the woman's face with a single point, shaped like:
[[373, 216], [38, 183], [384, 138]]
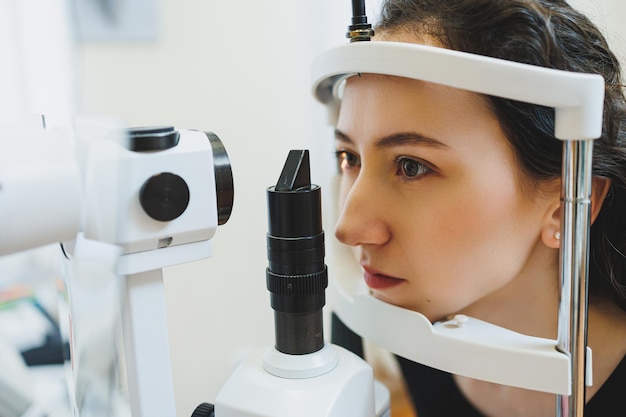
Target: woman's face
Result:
[[431, 195]]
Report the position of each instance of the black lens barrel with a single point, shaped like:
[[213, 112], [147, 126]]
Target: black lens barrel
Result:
[[296, 275]]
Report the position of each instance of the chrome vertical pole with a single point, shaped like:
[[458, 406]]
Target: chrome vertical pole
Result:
[[574, 269]]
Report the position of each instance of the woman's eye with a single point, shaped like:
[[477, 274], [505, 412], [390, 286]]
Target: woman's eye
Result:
[[410, 168], [347, 160]]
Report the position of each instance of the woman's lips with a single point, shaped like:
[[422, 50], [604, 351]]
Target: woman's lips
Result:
[[376, 281]]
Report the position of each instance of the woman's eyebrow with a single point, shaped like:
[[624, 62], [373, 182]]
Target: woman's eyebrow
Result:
[[409, 138], [342, 137], [397, 139]]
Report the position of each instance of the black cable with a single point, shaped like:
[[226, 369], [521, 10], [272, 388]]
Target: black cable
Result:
[[358, 12]]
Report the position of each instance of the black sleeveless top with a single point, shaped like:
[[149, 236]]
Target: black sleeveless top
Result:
[[435, 394]]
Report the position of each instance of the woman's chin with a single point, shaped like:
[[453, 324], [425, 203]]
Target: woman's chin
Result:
[[429, 313]]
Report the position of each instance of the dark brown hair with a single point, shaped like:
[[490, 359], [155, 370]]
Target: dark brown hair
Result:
[[547, 33]]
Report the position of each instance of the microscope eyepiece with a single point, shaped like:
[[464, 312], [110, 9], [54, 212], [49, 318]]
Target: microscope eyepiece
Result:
[[296, 273]]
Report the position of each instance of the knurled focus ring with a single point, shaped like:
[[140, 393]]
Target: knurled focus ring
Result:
[[298, 285]]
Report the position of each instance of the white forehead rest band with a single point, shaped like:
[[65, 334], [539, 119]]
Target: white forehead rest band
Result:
[[576, 97]]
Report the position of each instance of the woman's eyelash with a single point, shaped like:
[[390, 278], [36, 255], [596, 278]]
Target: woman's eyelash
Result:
[[406, 167], [411, 168], [346, 159]]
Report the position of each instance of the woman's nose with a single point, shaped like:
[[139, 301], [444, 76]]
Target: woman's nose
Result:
[[361, 216]]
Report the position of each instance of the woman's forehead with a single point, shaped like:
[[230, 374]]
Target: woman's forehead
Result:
[[403, 91]]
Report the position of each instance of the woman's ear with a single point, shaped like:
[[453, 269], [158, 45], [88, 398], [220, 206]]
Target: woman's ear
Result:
[[551, 231], [599, 190]]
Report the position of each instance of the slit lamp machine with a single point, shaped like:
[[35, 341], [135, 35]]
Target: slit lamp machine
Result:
[[465, 345]]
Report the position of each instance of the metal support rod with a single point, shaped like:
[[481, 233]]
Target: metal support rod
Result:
[[146, 346], [574, 268]]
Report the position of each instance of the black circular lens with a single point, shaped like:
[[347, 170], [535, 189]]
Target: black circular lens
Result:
[[224, 187], [164, 196]]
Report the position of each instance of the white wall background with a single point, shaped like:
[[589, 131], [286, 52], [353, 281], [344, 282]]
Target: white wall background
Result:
[[240, 69]]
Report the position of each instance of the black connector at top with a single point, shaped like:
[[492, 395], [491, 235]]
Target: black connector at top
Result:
[[359, 30], [296, 273]]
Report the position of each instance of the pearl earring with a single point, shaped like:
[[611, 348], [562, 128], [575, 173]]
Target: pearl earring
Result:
[[557, 235]]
